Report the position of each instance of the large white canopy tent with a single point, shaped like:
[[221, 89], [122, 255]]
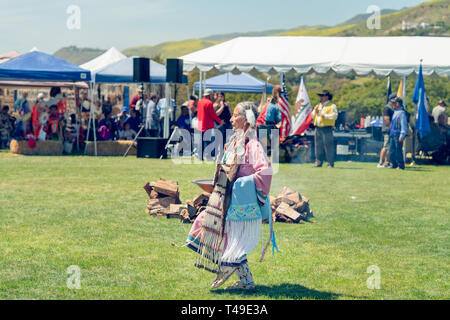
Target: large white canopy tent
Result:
[[363, 55], [109, 57]]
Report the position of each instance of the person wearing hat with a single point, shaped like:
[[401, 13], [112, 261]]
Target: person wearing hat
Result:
[[324, 115], [137, 96], [206, 116], [388, 112], [439, 114], [397, 133], [122, 117]]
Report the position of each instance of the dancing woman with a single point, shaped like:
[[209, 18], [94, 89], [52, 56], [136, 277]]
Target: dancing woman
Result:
[[230, 226]]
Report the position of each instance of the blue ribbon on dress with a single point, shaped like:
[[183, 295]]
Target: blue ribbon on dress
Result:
[[274, 244]]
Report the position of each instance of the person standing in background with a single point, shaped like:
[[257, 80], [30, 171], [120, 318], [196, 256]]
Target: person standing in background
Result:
[[388, 112], [324, 115], [223, 111], [397, 133], [206, 117]]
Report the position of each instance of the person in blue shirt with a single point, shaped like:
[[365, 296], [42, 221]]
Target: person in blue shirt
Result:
[[184, 121], [397, 134], [273, 113]]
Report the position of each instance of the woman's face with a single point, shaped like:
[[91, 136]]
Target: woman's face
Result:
[[238, 121]]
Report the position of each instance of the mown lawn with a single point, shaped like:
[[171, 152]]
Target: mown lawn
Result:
[[85, 211]]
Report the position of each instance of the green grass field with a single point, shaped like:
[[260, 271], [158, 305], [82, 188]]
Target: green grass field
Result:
[[61, 211]]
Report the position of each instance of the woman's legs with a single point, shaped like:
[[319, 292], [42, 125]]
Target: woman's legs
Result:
[[245, 278], [224, 274], [244, 274]]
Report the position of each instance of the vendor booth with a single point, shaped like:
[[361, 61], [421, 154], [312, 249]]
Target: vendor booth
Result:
[[39, 66]]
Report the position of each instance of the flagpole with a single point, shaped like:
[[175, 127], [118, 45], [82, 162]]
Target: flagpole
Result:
[[404, 102]]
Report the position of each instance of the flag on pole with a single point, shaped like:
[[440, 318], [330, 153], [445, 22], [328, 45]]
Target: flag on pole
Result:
[[285, 112], [389, 90], [303, 118], [400, 89], [422, 120]]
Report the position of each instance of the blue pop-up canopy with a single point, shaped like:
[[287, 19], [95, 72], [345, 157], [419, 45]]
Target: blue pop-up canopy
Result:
[[229, 82], [122, 72], [40, 66]]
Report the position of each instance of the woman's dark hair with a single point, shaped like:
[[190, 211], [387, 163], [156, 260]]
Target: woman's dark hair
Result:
[[54, 91], [276, 94]]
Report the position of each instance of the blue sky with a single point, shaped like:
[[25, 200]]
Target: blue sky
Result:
[[28, 23]]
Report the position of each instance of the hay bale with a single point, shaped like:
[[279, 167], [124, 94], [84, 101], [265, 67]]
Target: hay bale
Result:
[[122, 146], [43, 148], [111, 148]]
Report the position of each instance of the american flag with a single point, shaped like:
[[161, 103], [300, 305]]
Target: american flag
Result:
[[284, 108]]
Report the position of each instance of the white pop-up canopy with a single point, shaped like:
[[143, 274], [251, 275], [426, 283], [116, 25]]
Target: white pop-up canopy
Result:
[[363, 55], [109, 57]]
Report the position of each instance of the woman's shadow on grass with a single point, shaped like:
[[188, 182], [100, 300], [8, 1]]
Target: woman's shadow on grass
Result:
[[283, 291]]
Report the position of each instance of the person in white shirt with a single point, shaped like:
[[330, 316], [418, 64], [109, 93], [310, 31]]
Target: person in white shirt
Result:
[[127, 133]]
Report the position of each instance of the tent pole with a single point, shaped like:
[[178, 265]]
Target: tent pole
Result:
[[89, 122], [93, 119], [187, 96], [204, 81], [166, 111], [404, 102], [200, 91], [76, 119]]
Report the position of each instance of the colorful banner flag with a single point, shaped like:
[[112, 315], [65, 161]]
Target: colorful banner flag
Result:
[[400, 89], [303, 118], [422, 120]]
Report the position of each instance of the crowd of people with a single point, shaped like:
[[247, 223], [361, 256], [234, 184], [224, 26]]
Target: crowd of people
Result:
[[49, 119], [395, 129], [43, 119]]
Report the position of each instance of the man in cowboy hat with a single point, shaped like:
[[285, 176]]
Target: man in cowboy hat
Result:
[[324, 115]]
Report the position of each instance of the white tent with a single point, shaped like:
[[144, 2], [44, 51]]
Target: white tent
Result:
[[363, 55], [109, 57], [8, 56]]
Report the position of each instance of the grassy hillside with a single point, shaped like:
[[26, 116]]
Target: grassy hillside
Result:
[[360, 18], [317, 31], [436, 12], [77, 55], [432, 12], [170, 49]]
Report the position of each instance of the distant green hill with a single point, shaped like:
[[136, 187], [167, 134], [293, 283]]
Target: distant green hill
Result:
[[360, 18], [229, 36], [77, 55], [436, 13], [171, 49]]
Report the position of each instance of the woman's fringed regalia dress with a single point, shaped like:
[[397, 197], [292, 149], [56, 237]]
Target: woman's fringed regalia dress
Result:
[[230, 226]]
